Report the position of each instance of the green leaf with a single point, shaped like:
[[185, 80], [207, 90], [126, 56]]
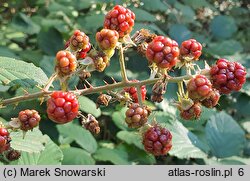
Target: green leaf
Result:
[[6, 52], [93, 21], [82, 137], [33, 141], [82, 4], [242, 106], [223, 27], [225, 137], [13, 72], [137, 156], [118, 118], [169, 111], [185, 143], [77, 156], [142, 15], [51, 155], [196, 4], [246, 87], [28, 158], [50, 41], [227, 47], [234, 160], [56, 7], [23, 23], [2, 120], [187, 14], [31, 56], [154, 5], [48, 23], [47, 64], [179, 32], [115, 156], [88, 106], [130, 138]]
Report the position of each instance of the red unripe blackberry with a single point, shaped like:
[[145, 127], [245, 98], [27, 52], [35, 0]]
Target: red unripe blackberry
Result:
[[120, 19], [199, 87], [228, 76], [133, 92], [62, 107], [4, 140], [4, 132], [163, 51], [212, 100], [193, 112], [157, 140], [29, 119], [79, 40], [191, 49], [107, 39], [136, 116], [65, 62], [83, 53]]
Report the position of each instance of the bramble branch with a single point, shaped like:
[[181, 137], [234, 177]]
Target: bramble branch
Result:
[[98, 89]]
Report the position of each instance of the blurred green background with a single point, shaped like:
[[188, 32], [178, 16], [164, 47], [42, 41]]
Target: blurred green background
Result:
[[34, 30]]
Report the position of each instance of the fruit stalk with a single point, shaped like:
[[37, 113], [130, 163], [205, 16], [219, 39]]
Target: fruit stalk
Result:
[[122, 64]]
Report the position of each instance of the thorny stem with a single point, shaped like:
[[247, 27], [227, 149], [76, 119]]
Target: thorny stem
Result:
[[98, 89], [116, 95], [50, 81], [25, 97], [122, 64]]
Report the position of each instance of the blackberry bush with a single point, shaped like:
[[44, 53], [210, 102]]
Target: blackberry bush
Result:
[[85, 99]]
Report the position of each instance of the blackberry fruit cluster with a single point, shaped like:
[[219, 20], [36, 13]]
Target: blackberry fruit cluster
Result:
[[29, 119], [157, 140], [163, 51], [137, 116], [62, 107], [120, 19], [228, 76]]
